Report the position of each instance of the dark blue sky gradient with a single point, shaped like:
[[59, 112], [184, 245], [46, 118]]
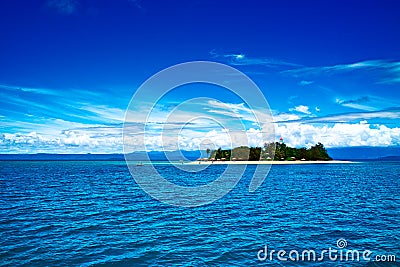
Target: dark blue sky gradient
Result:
[[107, 43]]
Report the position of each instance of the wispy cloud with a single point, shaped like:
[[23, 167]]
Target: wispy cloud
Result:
[[229, 110], [77, 93], [357, 103], [359, 100], [243, 113], [230, 106], [371, 64], [42, 91], [66, 7], [243, 60], [27, 104], [368, 102], [225, 113], [391, 69], [391, 80], [393, 113], [137, 4], [304, 83], [106, 113]]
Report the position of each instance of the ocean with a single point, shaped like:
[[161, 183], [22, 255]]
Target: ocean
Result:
[[92, 213]]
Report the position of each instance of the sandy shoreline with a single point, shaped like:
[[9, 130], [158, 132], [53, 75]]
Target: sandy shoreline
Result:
[[270, 162]]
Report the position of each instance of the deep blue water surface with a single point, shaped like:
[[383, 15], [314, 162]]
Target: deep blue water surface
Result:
[[94, 214]]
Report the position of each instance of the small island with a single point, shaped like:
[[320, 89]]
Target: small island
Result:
[[271, 153], [277, 151]]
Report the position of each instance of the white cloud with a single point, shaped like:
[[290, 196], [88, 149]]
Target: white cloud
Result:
[[301, 109], [189, 128], [70, 141], [338, 135], [109, 139]]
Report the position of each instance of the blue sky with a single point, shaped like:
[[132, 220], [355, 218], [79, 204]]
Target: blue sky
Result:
[[330, 70]]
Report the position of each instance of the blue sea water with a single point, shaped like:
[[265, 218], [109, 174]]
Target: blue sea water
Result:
[[80, 213]]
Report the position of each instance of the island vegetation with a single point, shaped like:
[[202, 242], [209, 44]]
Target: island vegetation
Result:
[[272, 151]]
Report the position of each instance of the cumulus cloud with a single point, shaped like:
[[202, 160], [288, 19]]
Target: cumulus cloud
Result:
[[339, 134], [71, 141], [109, 139], [294, 134]]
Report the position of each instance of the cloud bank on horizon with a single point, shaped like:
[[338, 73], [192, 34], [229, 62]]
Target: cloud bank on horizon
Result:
[[97, 128], [68, 75]]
